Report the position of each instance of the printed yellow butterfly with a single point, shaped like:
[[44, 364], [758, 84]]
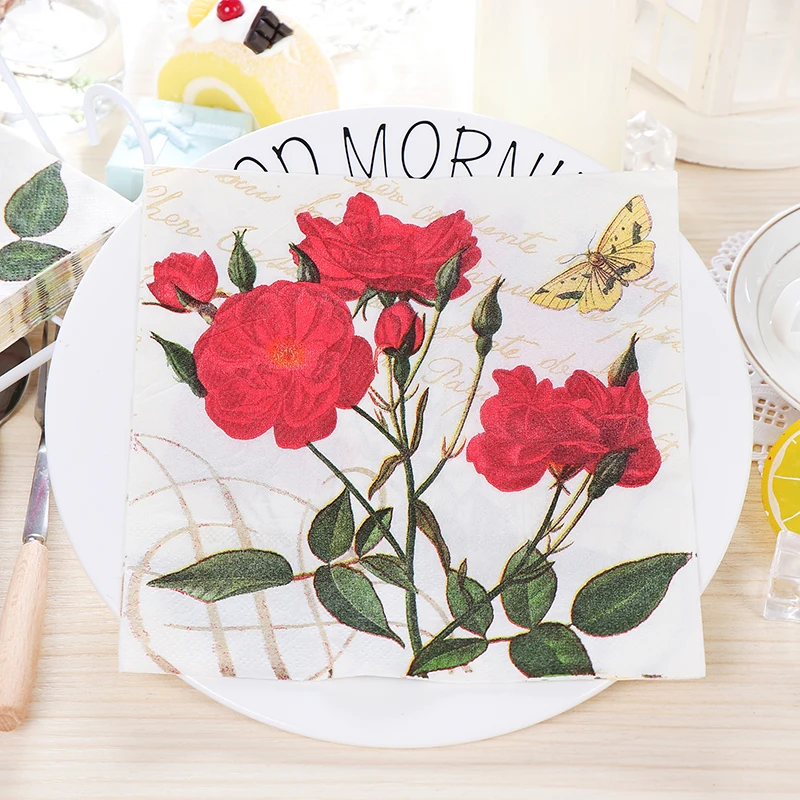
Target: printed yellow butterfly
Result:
[[623, 255]]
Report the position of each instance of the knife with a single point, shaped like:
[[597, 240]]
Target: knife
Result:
[[23, 613]]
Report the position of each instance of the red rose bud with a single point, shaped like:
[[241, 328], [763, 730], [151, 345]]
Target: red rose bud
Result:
[[195, 276], [399, 330], [625, 365]]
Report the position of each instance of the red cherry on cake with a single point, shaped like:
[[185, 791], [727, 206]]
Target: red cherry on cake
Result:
[[230, 9]]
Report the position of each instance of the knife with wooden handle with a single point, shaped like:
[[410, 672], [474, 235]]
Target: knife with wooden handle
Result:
[[23, 613]]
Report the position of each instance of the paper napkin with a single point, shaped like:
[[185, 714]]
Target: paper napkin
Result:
[[48, 211], [410, 428]]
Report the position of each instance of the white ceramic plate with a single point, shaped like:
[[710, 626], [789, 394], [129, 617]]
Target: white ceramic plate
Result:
[[90, 393], [764, 298]]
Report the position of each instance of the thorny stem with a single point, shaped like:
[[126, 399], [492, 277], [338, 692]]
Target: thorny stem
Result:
[[425, 347], [359, 497], [375, 424], [508, 580], [451, 448], [412, 616]]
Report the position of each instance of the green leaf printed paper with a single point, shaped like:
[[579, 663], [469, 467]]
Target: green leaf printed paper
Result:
[[433, 429], [47, 210]]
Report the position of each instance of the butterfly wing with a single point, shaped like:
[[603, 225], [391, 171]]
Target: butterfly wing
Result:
[[635, 261], [629, 227], [602, 294], [565, 289]]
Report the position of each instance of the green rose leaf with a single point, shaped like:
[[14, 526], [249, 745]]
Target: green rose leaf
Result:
[[363, 302], [527, 602], [182, 363], [40, 205], [446, 654], [416, 436], [332, 530], [428, 524], [385, 471], [465, 593], [241, 267], [390, 569], [23, 260], [550, 650], [369, 532], [624, 596], [350, 597], [228, 574]]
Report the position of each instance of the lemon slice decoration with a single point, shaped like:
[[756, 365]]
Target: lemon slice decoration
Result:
[[780, 485], [198, 10]]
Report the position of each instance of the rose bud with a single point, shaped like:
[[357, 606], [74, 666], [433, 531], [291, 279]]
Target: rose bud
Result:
[[399, 330], [195, 276], [447, 279], [624, 366], [487, 318]]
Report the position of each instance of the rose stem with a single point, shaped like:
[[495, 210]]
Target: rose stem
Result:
[[375, 424], [494, 592], [412, 616], [584, 508], [459, 428], [425, 346], [358, 496], [574, 499]]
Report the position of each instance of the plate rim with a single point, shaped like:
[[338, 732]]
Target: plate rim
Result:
[[592, 688]]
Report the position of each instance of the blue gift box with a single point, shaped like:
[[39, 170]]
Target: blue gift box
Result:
[[179, 135]]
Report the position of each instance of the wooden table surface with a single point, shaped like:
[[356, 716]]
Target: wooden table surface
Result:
[[95, 733]]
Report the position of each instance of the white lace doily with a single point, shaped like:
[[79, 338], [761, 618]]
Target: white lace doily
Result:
[[771, 413]]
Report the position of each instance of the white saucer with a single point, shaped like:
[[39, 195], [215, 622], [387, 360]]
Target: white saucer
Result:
[[90, 391], [764, 298]]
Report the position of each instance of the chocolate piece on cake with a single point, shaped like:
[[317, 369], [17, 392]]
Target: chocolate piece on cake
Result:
[[267, 30]]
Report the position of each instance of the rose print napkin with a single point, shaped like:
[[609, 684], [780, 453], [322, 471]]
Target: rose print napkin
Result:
[[440, 432]]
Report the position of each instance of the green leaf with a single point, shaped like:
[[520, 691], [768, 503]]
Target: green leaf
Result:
[[446, 654], [227, 574], [182, 363], [241, 268], [428, 524], [620, 598], [40, 205], [390, 569], [464, 593], [350, 597], [550, 650], [416, 436], [332, 530], [385, 471], [369, 532], [22, 260], [527, 602]]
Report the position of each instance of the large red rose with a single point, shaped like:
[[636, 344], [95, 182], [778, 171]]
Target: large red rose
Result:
[[282, 357], [529, 427], [620, 413], [368, 249], [195, 275], [533, 427]]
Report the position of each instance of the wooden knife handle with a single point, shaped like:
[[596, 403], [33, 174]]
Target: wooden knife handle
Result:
[[21, 632]]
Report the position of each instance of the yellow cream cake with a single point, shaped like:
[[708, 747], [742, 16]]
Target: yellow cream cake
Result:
[[241, 56]]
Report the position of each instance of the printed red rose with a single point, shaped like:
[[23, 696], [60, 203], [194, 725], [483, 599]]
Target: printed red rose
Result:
[[284, 358], [195, 275], [531, 427], [621, 415], [368, 249], [398, 328]]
